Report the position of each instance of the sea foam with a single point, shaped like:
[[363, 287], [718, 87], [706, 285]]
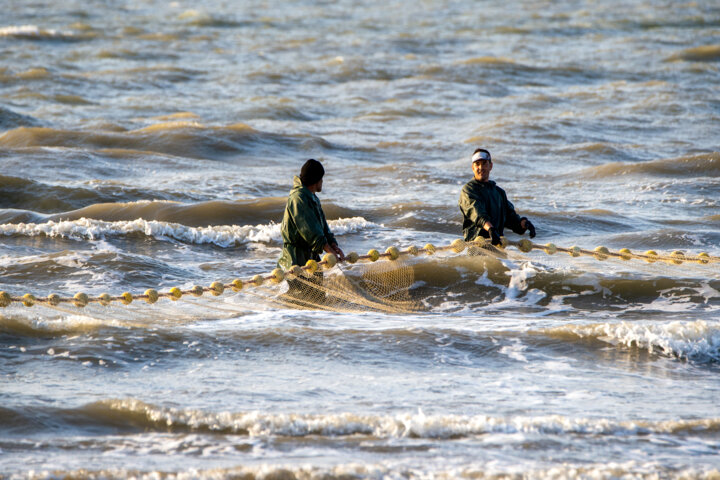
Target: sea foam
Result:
[[220, 235], [395, 469], [698, 340], [33, 32], [409, 425]]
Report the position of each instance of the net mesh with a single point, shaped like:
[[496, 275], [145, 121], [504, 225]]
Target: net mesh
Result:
[[396, 286], [392, 282], [390, 286], [380, 286]]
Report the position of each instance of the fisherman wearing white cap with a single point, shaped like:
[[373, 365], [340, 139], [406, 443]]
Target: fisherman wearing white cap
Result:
[[485, 207]]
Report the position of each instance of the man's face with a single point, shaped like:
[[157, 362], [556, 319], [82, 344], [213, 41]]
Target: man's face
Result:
[[316, 187], [481, 169]]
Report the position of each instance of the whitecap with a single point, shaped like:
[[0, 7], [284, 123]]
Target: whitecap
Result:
[[220, 235], [697, 340]]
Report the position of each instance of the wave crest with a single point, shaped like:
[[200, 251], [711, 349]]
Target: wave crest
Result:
[[699, 340], [706, 164], [33, 32], [220, 235], [391, 470], [10, 119], [180, 138], [416, 425], [704, 53]]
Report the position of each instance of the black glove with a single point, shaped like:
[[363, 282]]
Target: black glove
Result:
[[494, 237], [529, 226]]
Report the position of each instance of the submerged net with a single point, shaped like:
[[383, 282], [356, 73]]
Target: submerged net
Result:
[[381, 287], [390, 282]]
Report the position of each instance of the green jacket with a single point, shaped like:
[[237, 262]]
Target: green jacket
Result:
[[304, 228], [485, 201]]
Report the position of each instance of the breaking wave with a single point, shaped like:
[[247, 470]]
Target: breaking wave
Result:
[[220, 235], [392, 471], [697, 341], [33, 32], [142, 416]]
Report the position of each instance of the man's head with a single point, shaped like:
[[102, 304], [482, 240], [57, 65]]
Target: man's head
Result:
[[311, 175], [481, 164]]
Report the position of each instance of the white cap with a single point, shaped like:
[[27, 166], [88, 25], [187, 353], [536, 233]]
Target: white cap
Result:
[[481, 155]]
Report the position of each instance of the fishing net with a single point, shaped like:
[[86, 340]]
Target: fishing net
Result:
[[380, 286], [390, 286], [391, 282]]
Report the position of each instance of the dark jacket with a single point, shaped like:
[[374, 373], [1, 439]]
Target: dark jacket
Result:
[[304, 228], [485, 201]]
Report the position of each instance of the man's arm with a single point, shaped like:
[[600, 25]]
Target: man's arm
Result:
[[472, 207], [331, 246], [308, 225], [517, 223]]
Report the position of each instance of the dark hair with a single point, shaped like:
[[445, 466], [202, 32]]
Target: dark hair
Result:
[[311, 172]]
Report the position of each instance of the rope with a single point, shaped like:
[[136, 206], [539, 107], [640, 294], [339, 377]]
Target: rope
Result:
[[328, 261], [676, 257]]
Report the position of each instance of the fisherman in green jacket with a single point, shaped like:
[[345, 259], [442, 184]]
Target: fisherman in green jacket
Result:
[[305, 231], [485, 207]]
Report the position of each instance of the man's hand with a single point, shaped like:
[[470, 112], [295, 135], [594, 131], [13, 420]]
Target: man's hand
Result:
[[494, 237], [527, 225], [338, 251], [334, 249]]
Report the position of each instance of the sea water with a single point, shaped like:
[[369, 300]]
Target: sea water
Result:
[[152, 144]]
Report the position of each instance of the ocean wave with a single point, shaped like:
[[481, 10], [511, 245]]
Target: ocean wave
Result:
[[704, 53], [216, 212], [201, 18], [179, 138], [220, 235], [113, 200], [676, 235], [338, 69], [26, 194], [67, 324], [33, 32], [393, 471], [145, 55], [705, 164], [279, 109], [10, 119], [487, 61], [509, 70], [12, 215], [582, 283], [697, 341], [155, 72], [595, 150], [200, 214], [143, 416]]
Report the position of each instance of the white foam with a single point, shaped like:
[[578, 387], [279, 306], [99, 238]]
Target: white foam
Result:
[[31, 31], [515, 351], [394, 469], [396, 426], [221, 235], [517, 292], [519, 279], [69, 323], [698, 340]]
